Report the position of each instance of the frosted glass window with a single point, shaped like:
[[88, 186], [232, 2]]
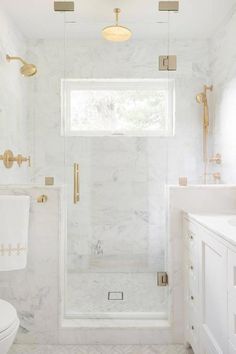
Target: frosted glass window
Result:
[[118, 107]]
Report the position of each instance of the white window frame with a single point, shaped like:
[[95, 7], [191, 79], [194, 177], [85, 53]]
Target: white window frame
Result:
[[67, 85]]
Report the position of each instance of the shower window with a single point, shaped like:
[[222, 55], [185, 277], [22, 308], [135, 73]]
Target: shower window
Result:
[[117, 107]]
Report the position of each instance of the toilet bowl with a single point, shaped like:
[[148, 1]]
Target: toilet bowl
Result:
[[9, 324]]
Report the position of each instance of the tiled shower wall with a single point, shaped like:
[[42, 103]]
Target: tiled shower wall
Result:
[[13, 102], [122, 203], [98, 59], [223, 64]]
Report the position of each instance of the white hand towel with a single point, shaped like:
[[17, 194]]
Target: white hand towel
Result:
[[14, 229]]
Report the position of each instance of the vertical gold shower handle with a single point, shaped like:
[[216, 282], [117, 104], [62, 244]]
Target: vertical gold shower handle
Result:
[[76, 183]]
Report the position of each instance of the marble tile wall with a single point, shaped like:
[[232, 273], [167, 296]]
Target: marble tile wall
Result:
[[34, 291], [223, 64], [123, 202], [13, 102]]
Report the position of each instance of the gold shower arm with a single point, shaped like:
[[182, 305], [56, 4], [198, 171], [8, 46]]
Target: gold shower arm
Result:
[[9, 58]]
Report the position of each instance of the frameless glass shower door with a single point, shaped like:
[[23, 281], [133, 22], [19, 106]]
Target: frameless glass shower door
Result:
[[117, 117]]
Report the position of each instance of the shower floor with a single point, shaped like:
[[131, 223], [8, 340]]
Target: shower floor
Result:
[[117, 349], [88, 293]]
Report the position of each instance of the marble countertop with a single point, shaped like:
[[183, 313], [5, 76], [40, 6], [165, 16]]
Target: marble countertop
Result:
[[224, 225]]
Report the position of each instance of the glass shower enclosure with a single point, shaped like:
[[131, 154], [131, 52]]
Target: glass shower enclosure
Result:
[[117, 116]]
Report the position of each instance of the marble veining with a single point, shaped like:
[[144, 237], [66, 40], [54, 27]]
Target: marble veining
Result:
[[13, 103], [123, 200], [34, 291], [223, 67]]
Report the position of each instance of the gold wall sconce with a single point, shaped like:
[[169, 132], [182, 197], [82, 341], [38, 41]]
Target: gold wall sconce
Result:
[[8, 159]]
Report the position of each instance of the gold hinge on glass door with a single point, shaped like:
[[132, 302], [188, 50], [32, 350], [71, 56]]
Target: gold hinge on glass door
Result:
[[168, 63], [162, 279], [76, 183], [64, 6]]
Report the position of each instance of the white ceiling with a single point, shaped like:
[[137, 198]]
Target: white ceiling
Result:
[[196, 18]]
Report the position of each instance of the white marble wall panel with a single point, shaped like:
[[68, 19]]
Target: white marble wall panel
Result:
[[123, 179], [223, 64], [13, 102], [34, 290]]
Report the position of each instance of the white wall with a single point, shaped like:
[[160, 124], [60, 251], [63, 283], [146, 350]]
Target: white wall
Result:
[[13, 102], [223, 64]]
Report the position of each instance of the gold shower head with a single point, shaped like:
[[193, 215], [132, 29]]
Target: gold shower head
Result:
[[27, 69], [116, 32]]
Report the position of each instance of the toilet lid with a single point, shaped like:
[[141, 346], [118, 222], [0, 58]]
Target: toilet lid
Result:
[[8, 315]]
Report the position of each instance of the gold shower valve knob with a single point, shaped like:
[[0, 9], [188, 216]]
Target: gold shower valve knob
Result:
[[8, 159], [20, 159]]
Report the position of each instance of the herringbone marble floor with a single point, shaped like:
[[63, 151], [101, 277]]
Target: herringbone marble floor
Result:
[[107, 349]]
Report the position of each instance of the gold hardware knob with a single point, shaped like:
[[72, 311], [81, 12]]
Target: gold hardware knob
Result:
[[192, 328], [191, 267], [192, 297], [42, 198]]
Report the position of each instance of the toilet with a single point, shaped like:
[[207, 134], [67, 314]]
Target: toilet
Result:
[[9, 324]]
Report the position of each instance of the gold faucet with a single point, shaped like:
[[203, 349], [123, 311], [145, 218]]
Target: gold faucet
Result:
[[8, 159]]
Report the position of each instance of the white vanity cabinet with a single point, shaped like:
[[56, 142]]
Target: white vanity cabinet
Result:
[[210, 288]]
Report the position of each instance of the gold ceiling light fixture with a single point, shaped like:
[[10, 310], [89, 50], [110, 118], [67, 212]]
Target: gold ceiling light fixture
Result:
[[116, 33]]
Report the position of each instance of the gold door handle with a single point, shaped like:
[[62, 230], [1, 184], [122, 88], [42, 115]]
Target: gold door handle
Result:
[[76, 183]]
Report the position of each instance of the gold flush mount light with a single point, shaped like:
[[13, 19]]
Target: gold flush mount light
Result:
[[116, 33]]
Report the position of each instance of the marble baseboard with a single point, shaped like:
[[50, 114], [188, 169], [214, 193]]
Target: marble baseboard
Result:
[[117, 349]]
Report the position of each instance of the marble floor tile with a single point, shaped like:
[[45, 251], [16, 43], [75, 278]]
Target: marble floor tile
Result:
[[106, 349]]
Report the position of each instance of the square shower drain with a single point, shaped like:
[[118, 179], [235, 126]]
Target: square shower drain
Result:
[[116, 295]]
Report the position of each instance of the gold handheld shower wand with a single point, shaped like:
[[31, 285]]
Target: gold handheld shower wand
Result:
[[27, 69], [202, 99]]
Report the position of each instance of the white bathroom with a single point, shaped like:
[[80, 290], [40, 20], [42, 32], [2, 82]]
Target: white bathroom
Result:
[[117, 177]]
